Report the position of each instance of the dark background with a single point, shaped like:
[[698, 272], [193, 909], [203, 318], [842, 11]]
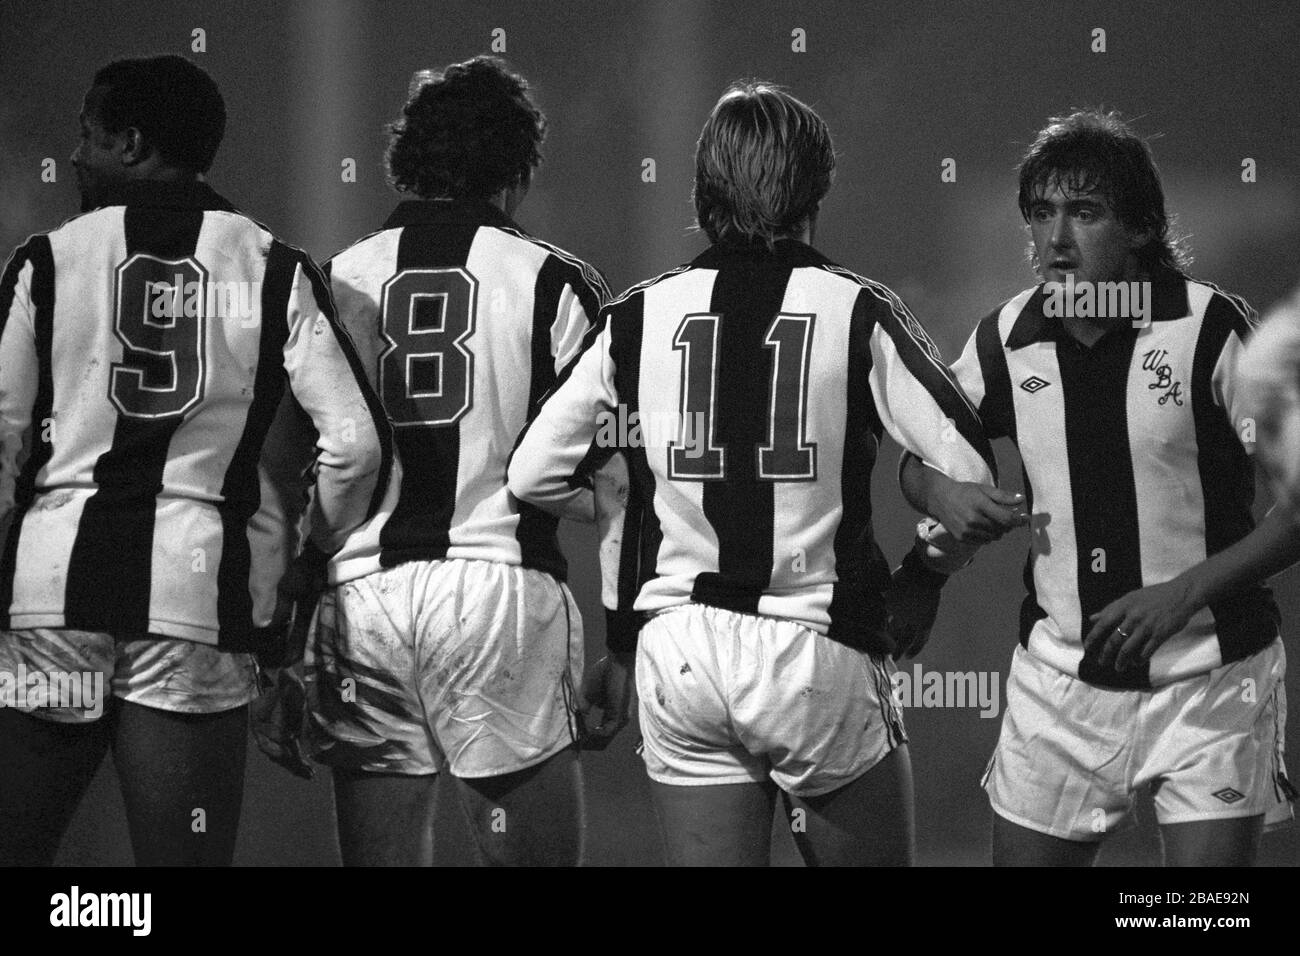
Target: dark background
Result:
[[902, 85]]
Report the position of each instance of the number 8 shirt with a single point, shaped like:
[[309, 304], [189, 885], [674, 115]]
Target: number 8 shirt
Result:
[[152, 456], [750, 388], [463, 322]]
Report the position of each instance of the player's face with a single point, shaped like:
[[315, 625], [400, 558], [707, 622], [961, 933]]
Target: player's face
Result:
[[1080, 233], [96, 160]]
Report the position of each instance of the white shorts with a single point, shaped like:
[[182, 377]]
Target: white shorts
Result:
[[471, 664], [736, 698], [163, 673], [1071, 756]]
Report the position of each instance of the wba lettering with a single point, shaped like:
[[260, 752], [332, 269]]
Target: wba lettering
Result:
[[1154, 361]]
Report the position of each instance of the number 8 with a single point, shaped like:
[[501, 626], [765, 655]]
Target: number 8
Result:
[[426, 374]]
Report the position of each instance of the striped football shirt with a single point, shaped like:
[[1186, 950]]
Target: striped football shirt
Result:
[[145, 350], [1135, 469], [463, 322], [749, 389]]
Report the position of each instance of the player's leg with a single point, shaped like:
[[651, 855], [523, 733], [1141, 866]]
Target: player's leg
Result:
[[713, 798], [49, 756], [501, 654], [1216, 749], [1061, 777], [1014, 845], [180, 746], [825, 716], [869, 822], [366, 721], [715, 825], [385, 819], [45, 768], [1232, 842], [532, 817], [182, 779]]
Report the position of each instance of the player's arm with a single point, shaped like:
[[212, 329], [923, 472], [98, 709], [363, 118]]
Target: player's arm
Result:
[[975, 513], [558, 452], [580, 301], [919, 401], [19, 372], [609, 686], [920, 404], [1134, 626], [353, 439]]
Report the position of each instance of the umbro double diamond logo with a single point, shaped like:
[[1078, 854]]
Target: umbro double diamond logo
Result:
[[1228, 795], [1033, 384]]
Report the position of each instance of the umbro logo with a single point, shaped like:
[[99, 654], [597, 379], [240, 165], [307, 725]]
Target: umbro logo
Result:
[[1228, 795], [1033, 384]]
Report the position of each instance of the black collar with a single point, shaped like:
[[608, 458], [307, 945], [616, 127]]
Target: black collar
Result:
[[412, 212], [786, 252], [1168, 302], [193, 194]]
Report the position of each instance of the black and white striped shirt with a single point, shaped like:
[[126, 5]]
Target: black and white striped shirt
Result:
[[145, 350], [761, 382], [1134, 468], [463, 322]]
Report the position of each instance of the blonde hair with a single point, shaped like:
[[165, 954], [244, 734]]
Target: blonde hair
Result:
[[763, 162]]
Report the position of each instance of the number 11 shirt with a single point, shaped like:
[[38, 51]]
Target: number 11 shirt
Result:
[[749, 390]]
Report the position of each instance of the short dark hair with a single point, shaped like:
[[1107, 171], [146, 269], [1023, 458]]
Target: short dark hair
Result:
[[1096, 150], [173, 102], [469, 131], [763, 163]]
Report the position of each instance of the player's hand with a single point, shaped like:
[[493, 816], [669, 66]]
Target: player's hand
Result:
[[296, 598], [978, 514], [609, 687], [278, 716], [912, 603], [1130, 628]]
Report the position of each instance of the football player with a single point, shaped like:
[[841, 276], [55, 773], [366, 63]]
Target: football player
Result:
[[150, 472], [1149, 653], [756, 381], [448, 639]]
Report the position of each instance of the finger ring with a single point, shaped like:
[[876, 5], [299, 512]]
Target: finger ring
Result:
[[1121, 632]]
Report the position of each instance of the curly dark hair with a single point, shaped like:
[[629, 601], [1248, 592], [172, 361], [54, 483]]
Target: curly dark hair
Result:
[[1097, 150], [469, 131], [172, 101]]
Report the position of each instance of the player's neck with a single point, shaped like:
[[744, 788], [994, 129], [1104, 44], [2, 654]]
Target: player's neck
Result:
[[1089, 330], [166, 174]]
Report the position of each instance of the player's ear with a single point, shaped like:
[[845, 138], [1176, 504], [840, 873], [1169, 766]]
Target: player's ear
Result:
[[515, 195], [1137, 238], [132, 147]]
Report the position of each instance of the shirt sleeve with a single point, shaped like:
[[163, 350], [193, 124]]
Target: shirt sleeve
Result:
[[580, 304], [353, 442], [19, 373], [917, 398], [1238, 321], [619, 513], [558, 452]]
